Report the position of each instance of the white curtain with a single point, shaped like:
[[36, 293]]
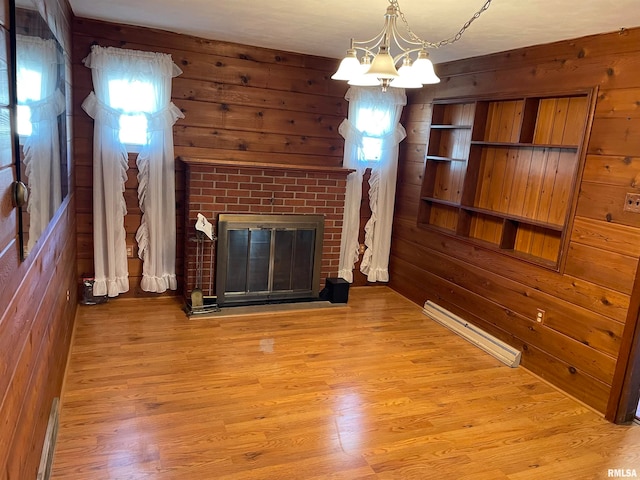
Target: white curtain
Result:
[[372, 133], [40, 103], [116, 71]]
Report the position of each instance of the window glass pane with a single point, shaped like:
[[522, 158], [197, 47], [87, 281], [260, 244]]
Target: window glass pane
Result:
[[29, 85], [303, 259], [24, 121], [133, 129], [259, 251], [282, 260], [29, 90], [133, 98], [237, 258], [371, 150], [373, 123]]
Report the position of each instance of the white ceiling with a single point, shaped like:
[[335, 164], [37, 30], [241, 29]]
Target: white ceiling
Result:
[[324, 27]]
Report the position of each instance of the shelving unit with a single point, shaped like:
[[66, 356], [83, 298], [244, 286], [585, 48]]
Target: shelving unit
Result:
[[501, 172]]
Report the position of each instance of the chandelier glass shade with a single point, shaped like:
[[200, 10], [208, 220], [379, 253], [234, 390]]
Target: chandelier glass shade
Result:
[[388, 49]]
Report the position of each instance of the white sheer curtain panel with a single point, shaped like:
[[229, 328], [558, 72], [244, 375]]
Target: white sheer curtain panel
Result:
[[156, 235], [39, 105], [372, 133], [144, 78]]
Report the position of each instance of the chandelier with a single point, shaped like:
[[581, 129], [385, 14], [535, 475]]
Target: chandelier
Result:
[[393, 49]]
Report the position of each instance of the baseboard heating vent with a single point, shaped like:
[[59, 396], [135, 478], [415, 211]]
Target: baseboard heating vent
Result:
[[490, 344], [46, 458]]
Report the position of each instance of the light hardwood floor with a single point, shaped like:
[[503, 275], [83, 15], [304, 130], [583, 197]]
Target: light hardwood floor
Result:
[[373, 390]]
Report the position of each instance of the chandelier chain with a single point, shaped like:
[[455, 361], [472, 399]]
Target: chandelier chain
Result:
[[441, 43]]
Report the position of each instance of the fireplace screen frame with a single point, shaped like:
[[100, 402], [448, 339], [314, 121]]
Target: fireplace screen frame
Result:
[[228, 223]]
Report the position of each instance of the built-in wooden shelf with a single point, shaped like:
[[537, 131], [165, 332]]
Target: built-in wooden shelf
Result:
[[451, 127], [436, 158], [515, 218], [441, 201], [500, 172], [520, 145]]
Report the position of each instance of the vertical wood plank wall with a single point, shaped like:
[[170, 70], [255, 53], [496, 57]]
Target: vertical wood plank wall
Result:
[[36, 317], [240, 103], [587, 304]]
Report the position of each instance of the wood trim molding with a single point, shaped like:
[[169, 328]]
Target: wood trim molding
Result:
[[623, 399], [262, 166]]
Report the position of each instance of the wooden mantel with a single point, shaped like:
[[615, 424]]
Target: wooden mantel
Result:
[[214, 162]]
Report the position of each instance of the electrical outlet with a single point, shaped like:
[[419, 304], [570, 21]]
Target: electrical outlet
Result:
[[540, 316], [632, 203], [130, 251]]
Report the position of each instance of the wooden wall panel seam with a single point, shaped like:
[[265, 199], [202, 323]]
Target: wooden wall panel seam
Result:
[[606, 236], [612, 170], [593, 46], [116, 32], [18, 282], [606, 302], [48, 318], [596, 397], [22, 300], [200, 65], [565, 320]]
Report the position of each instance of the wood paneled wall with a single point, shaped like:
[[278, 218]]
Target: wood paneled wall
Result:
[[38, 302], [590, 305], [241, 103]]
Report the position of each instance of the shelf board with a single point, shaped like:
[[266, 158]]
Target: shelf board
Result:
[[440, 201], [451, 127], [520, 145], [494, 247], [527, 257], [438, 229], [438, 158], [515, 218]]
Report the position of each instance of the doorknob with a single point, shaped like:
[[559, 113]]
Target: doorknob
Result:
[[20, 193]]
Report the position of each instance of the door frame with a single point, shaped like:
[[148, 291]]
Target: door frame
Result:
[[625, 388]]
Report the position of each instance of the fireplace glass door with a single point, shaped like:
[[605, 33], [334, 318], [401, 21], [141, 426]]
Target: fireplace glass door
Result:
[[268, 258]]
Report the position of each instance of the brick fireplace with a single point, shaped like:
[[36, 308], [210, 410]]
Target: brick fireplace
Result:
[[214, 187]]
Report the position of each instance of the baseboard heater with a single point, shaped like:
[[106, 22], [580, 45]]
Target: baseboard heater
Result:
[[490, 344], [46, 458]]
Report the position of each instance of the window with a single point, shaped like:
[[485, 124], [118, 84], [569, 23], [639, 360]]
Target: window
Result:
[[134, 98], [371, 134], [132, 111], [373, 122], [29, 90]]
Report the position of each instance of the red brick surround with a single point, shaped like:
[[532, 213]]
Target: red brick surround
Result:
[[214, 187]]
